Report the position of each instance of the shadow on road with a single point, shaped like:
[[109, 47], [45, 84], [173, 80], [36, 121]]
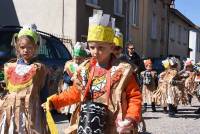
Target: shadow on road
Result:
[[149, 118], [144, 133], [187, 109], [195, 106], [188, 116], [187, 113]]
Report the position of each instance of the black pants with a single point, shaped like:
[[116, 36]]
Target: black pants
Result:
[[153, 106], [172, 109]]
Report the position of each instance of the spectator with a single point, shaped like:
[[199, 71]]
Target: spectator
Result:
[[131, 56]]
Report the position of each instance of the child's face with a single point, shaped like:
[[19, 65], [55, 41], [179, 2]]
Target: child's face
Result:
[[148, 67], [101, 51], [78, 60], [189, 68], [117, 51], [26, 49]]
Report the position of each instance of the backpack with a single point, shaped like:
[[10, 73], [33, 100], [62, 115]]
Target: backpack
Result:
[[147, 79]]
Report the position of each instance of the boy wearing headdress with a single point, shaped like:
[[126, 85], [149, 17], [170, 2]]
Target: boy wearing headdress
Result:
[[105, 86]]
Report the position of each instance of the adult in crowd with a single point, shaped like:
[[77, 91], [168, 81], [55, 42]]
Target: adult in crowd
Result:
[[131, 56]]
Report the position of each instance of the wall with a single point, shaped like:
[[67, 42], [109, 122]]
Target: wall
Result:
[[8, 15], [47, 15], [84, 11], [179, 37], [141, 34]]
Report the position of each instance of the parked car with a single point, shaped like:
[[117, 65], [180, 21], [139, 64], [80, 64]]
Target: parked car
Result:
[[52, 52]]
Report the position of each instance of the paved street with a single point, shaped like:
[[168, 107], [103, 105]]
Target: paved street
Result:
[[186, 121]]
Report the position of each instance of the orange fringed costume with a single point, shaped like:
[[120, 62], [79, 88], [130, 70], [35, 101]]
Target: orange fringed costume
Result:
[[124, 98], [20, 110]]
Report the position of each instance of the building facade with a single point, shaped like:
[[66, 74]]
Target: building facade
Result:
[[148, 27], [62, 18], [179, 28]]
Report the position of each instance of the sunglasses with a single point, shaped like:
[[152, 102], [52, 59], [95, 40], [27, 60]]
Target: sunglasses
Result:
[[131, 48]]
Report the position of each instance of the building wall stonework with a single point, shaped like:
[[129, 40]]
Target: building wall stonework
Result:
[[150, 35]]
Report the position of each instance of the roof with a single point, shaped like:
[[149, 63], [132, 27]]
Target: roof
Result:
[[181, 16]]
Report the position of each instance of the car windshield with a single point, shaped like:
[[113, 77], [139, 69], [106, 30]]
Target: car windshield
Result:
[[5, 47], [59, 49]]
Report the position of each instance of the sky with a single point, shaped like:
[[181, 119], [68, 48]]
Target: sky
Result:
[[190, 8]]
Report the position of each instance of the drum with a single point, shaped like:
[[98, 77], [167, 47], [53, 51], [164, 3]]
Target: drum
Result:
[[92, 118]]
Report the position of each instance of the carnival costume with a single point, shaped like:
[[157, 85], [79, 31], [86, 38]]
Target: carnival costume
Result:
[[20, 110], [107, 95], [149, 78], [189, 76], [169, 86], [70, 69]]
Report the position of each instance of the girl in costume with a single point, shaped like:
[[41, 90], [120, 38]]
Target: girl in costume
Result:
[[109, 95], [167, 93], [20, 110], [79, 54], [189, 75], [160, 95], [149, 78]]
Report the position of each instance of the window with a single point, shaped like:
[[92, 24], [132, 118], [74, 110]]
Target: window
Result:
[[179, 34], [93, 2], [172, 31], [164, 10], [154, 27], [118, 4], [134, 12], [185, 36], [162, 37], [45, 51]]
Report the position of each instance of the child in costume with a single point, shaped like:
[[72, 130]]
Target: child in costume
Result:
[[118, 49], [167, 93], [118, 40], [160, 95], [105, 86], [149, 78], [189, 75], [79, 54], [197, 81], [20, 110]]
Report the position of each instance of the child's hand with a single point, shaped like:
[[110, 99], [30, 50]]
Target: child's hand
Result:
[[72, 78], [47, 106], [125, 126]]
